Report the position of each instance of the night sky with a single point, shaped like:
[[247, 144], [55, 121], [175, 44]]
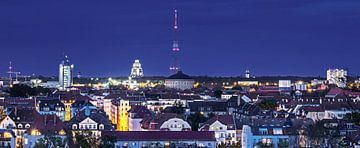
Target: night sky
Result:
[[217, 37]]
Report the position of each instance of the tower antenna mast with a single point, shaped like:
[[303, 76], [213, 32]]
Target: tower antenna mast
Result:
[[175, 66]]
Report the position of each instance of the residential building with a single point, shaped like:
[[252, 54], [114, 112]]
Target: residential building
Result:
[[139, 139], [94, 121], [224, 127], [136, 115], [45, 126], [165, 122]]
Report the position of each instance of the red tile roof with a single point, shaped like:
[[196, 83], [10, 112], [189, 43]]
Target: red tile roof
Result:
[[158, 120], [227, 120], [335, 91], [48, 124]]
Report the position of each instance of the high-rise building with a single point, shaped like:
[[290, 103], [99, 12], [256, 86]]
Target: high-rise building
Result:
[[65, 73], [136, 70], [337, 76]]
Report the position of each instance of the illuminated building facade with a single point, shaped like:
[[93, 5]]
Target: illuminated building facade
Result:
[[107, 108], [119, 114], [284, 85], [179, 81], [67, 104], [136, 70], [65, 74], [336, 76], [92, 120]]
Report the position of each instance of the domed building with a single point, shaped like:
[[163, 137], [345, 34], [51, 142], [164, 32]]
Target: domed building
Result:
[[179, 81]]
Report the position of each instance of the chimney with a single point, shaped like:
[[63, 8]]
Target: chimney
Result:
[[15, 111], [320, 100], [45, 119], [238, 100], [54, 119]]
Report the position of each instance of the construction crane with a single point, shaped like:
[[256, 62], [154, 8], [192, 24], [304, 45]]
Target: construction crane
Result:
[[11, 72]]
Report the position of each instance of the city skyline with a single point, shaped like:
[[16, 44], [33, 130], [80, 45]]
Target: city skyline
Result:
[[217, 39]]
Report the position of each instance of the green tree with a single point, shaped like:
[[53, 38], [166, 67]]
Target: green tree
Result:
[[49, 141], [41, 143], [268, 104], [22, 90], [217, 93], [353, 117], [108, 142], [315, 133], [84, 139], [195, 119]]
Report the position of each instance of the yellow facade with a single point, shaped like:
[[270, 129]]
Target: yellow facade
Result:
[[122, 115], [67, 105]]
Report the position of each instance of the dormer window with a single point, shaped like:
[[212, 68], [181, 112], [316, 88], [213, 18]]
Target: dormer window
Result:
[[20, 126], [101, 126], [27, 126], [74, 126]]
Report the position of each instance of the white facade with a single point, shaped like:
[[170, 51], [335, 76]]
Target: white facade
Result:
[[315, 116], [336, 76], [107, 107], [136, 70], [227, 96], [336, 114], [65, 74], [134, 124], [7, 123], [159, 104], [175, 124], [249, 139], [247, 83], [222, 133], [302, 86], [284, 83], [88, 124], [181, 84]]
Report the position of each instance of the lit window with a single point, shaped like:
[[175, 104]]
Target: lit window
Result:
[[7, 135], [35, 132], [62, 132]]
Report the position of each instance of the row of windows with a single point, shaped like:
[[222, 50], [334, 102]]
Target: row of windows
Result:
[[177, 126], [21, 126], [230, 135], [101, 126]]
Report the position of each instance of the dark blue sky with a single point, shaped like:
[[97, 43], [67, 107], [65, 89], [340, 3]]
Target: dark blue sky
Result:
[[218, 37]]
